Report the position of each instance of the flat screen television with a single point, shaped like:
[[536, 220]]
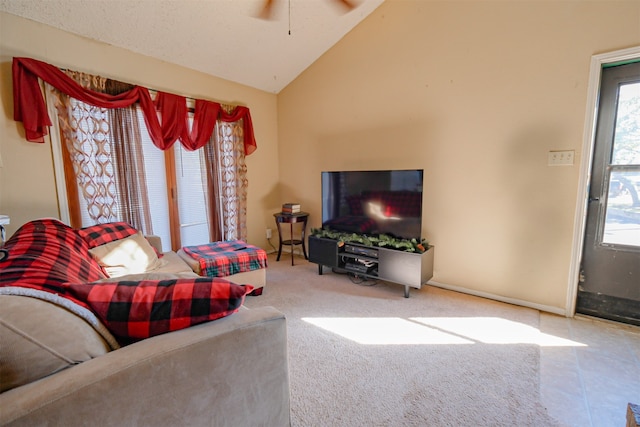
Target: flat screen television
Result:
[[373, 202]]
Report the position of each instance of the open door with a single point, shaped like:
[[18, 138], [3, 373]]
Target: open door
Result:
[[609, 284]]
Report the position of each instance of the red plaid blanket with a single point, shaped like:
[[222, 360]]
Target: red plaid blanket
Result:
[[134, 310], [44, 255], [221, 259], [99, 234], [50, 256]]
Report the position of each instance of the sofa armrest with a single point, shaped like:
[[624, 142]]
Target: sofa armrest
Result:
[[229, 372]]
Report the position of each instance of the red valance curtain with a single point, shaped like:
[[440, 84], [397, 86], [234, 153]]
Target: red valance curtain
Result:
[[30, 108]]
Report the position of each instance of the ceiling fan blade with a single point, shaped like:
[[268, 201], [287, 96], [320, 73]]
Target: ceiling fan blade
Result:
[[347, 4], [267, 10]]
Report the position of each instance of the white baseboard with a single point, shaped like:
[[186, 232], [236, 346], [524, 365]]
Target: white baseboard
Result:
[[514, 301]]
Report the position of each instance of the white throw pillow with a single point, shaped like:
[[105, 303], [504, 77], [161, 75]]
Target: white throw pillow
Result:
[[130, 255]]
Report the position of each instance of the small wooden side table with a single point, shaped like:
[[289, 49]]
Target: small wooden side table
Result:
[[300, 217]]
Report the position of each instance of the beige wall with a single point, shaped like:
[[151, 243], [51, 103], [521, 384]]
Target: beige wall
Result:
[[27, 186], [475, 93]]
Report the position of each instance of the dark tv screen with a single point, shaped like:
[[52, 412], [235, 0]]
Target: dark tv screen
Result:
[[373, 202]]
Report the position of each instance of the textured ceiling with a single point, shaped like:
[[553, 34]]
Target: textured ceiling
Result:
[[224, 38]]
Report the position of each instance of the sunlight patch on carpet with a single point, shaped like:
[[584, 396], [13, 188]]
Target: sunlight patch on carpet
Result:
[[436, 330], [384, 330], [495, 330]]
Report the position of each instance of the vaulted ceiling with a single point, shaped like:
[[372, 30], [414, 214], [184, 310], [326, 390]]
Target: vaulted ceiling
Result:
[[224, 38]]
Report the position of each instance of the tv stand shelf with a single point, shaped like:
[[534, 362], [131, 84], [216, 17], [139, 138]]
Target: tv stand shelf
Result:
[[405, 268]]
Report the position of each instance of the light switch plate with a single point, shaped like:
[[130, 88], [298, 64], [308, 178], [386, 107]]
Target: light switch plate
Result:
[[561, 158]]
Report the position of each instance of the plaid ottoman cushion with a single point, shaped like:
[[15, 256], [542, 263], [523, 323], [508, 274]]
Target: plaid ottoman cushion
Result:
[[221, 259]]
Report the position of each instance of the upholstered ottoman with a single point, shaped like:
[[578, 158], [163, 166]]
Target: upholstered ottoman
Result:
[[232, 260]]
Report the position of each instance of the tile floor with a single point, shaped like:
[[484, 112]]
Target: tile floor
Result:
[[590, 377]]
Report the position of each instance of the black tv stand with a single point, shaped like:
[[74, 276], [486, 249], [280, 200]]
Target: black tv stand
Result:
[[406, 268]]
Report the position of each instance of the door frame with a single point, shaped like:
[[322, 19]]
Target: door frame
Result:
[[588, 145]]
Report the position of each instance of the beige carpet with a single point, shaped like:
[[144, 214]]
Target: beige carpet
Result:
[[366, 356]]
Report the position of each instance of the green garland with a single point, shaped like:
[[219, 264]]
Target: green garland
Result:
[[382, 240]]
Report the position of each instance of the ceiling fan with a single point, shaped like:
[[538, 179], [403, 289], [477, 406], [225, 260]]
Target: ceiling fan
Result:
[[267, 10]]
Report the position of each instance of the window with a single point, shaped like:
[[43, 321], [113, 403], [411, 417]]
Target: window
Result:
[[114, 172], [621, 225]]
